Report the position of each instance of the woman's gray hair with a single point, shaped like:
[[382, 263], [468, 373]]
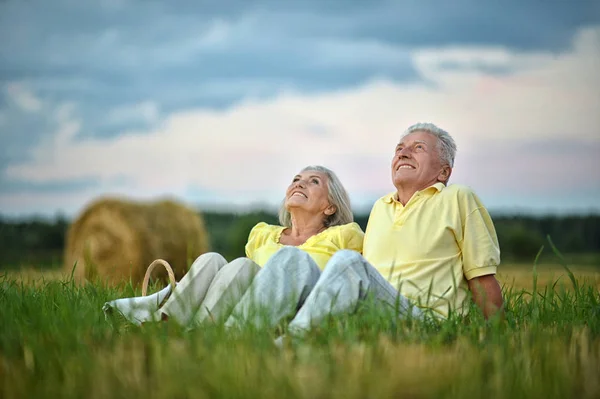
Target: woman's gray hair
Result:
[[338, 196], [445, 143]]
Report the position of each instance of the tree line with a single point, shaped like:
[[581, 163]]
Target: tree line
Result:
[[39, 242]]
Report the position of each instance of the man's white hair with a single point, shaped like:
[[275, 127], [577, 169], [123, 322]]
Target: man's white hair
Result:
[[445, 143]]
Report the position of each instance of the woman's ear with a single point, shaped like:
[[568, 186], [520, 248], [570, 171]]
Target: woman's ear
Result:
[[330, 210]]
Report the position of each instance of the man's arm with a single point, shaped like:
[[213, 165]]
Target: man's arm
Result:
[[487, 295]]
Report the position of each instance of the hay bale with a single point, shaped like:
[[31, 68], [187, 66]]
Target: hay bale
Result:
[[117, 239]]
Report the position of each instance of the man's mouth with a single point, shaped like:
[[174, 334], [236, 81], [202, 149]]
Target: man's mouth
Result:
[[405, 166]]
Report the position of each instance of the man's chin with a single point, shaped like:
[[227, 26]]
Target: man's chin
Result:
[[400, 181]]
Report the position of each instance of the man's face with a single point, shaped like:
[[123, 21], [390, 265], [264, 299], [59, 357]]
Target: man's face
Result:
[[417, 162]]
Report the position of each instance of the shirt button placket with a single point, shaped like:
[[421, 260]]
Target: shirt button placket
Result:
[[399, 215]]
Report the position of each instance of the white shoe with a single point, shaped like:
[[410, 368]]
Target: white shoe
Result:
[[279, 341], [140, 309]]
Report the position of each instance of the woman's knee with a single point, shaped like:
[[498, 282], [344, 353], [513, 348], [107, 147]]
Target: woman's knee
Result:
[[244, 265], [210, 259]]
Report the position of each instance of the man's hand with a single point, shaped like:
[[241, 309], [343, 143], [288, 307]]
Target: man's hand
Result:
[[487, 295]]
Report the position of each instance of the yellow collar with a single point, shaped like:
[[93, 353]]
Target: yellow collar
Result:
[[393, 197]]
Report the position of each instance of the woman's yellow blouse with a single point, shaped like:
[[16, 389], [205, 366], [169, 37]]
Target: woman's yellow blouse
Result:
[[263, 242]]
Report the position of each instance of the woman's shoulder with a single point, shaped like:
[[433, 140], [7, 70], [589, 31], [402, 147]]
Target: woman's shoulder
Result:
[[350, 227], [263, 228], [347, 236], [261, 234], [346, 231]]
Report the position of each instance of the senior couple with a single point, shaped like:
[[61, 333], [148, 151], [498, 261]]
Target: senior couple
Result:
[[426, 246]]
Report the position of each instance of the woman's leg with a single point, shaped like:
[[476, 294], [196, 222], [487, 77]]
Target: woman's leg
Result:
[[226, 289], [137, 310], [278, 290], [190, 292], [347, 278]]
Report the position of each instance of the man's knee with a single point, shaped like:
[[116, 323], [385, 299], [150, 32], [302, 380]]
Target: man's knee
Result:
[[343, 261], [291, 258], [289, 251], [344, 258]]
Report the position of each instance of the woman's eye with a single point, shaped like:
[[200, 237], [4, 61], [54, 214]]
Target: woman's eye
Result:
[[315, 181]]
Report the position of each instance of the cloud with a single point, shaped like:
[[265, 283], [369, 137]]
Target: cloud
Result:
[[23, 98], [132, 52], [146, 112], [504, 125]]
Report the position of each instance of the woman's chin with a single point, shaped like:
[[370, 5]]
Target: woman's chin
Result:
[[295, 206]]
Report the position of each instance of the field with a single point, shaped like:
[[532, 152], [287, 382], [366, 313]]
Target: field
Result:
[[55, 342]]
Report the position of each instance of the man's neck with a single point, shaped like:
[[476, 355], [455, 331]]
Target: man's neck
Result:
[[405, 193]]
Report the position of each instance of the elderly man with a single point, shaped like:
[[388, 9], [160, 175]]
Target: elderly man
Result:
[[426, 245]]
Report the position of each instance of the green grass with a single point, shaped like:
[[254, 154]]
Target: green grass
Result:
[[55, 342]]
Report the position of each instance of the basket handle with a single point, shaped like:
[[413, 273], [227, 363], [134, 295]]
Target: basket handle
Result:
[[149, 272]]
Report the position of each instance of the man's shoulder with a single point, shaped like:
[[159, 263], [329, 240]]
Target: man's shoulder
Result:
[[386, 199], [463, 197], [459, 191]]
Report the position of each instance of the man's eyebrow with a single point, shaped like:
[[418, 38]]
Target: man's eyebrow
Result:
[[414, 142], [310, 177]]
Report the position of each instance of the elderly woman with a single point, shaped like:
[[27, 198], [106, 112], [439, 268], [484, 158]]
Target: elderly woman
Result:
[[282, 266]]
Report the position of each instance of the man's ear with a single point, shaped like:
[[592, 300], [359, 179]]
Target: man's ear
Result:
[[445, 173], [330, 210]]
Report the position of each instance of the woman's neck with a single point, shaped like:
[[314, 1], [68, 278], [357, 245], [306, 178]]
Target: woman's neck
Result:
[[306, 225], [303, 227]]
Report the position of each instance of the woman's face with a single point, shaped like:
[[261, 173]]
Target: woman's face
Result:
[[309, 192]]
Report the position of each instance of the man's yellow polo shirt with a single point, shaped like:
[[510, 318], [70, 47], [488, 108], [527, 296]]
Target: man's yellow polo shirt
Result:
[[443, 237], [263, 242]]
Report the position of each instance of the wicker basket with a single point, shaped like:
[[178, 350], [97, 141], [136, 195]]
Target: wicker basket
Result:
[[155, 263]]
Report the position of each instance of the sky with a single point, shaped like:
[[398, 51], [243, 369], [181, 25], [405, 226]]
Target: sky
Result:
[[220, 104]]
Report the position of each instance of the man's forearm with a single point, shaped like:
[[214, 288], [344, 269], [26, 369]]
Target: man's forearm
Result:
[[487, 295]]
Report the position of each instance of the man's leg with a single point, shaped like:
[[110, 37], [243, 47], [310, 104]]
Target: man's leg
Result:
[[191, 290], [226, 290], [277, 290], [347, 278]]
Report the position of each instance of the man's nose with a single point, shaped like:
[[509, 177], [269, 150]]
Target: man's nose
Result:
[[404, 153]]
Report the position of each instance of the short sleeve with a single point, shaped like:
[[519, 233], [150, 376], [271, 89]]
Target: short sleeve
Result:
[[479, 244], [256, 238], [351, 237]]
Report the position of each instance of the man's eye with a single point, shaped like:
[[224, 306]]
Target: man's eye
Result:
[[419, 147], [315, 181], [295, 179]]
